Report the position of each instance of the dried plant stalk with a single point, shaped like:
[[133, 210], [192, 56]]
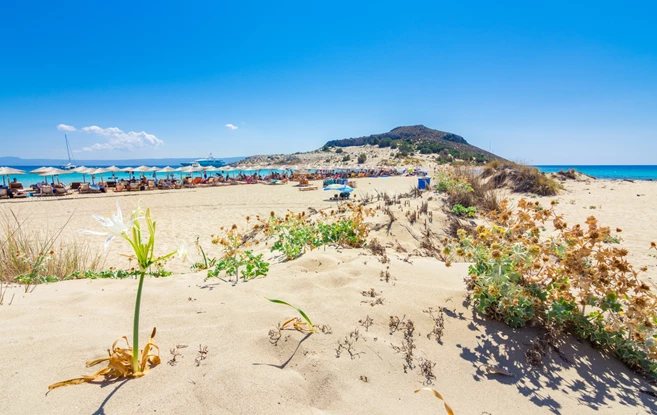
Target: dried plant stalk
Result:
[[119, 363]]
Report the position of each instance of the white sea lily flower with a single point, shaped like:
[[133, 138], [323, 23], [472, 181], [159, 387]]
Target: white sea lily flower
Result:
[[182, 253], [114, 225]]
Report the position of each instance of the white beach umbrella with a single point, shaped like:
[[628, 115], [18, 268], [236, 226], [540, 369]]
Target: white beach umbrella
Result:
[[82, 169], [40, 170], [168, 170], [53, 172], [6, 171], [142, 169], [98, 171]]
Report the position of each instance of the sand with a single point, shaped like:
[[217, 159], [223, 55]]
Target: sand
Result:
[[48, 334]]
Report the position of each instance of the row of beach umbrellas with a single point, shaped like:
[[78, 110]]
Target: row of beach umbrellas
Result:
[[53, 172]]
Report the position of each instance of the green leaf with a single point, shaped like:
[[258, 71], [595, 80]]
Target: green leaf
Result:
[[296, 308]]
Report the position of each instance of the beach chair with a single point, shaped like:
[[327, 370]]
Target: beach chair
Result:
[[46, 191], [16, 186], [4, 194], [84, 188], [61, 191], [120, 187], [133, 187]]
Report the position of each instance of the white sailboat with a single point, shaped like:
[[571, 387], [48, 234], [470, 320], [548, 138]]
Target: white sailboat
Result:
[[71, 161]]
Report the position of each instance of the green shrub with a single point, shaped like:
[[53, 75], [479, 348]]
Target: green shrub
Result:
[[460, 210], [569, 282]]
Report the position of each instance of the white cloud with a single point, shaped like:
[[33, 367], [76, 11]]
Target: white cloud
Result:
[[116, 139], [66, 128], [232, 127]]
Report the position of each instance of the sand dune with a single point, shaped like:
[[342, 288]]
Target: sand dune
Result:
[[49, 334]]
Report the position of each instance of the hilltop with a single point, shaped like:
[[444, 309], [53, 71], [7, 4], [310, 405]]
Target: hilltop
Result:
[[420, 139], [401, 146]]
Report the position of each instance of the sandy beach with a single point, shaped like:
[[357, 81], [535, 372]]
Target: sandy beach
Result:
[[49, 333]]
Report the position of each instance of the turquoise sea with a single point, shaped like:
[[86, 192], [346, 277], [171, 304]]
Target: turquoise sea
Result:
[[633, 172], [29, 179]]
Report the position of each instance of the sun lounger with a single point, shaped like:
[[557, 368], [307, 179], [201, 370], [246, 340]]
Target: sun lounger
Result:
[[307, 188], [4, 194], [84, 188], [61, 191], [16, 185], [133, 187], [46, 191], [120, 187]]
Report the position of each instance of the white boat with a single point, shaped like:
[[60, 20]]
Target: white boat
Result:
[[206, 162], [70, 165]]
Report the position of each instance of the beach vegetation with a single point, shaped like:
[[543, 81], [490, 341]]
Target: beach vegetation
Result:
[[237, 257], [295, 234], [362, 157], [569, 282], [127, 361], [339, 151], [295, 323], [206, 262], [463, 186], [34, 256], [460, 210], [520, 178]]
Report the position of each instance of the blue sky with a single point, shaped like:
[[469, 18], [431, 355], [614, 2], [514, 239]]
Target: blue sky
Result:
[[557, 83]]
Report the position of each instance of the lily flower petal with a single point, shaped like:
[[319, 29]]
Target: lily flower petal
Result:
[[182, 253]]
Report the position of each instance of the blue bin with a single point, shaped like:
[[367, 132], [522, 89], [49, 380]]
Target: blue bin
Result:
[[423, 183]]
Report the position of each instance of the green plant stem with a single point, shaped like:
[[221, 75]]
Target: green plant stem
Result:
[[135, 328]]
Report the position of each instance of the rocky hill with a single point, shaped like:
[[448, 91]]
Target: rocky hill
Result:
[[409, 140], [402, 146]]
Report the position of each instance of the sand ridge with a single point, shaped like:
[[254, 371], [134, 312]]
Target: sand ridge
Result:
[[52, 331]]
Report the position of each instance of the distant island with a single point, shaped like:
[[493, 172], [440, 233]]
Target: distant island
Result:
[[17, 161]]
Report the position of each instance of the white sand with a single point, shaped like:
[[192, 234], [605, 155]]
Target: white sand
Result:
[[48, 334]]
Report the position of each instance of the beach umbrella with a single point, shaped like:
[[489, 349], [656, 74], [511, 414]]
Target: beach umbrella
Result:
[[6, 171], [166, 170], [113, 170], [40, 170], [142, 169], [98, 171], [227, 169], [184, 169], [83, 170], [54, 172], [342, 188]]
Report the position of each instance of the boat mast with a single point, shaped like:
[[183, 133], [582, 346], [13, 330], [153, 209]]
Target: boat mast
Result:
[[68, 149]]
